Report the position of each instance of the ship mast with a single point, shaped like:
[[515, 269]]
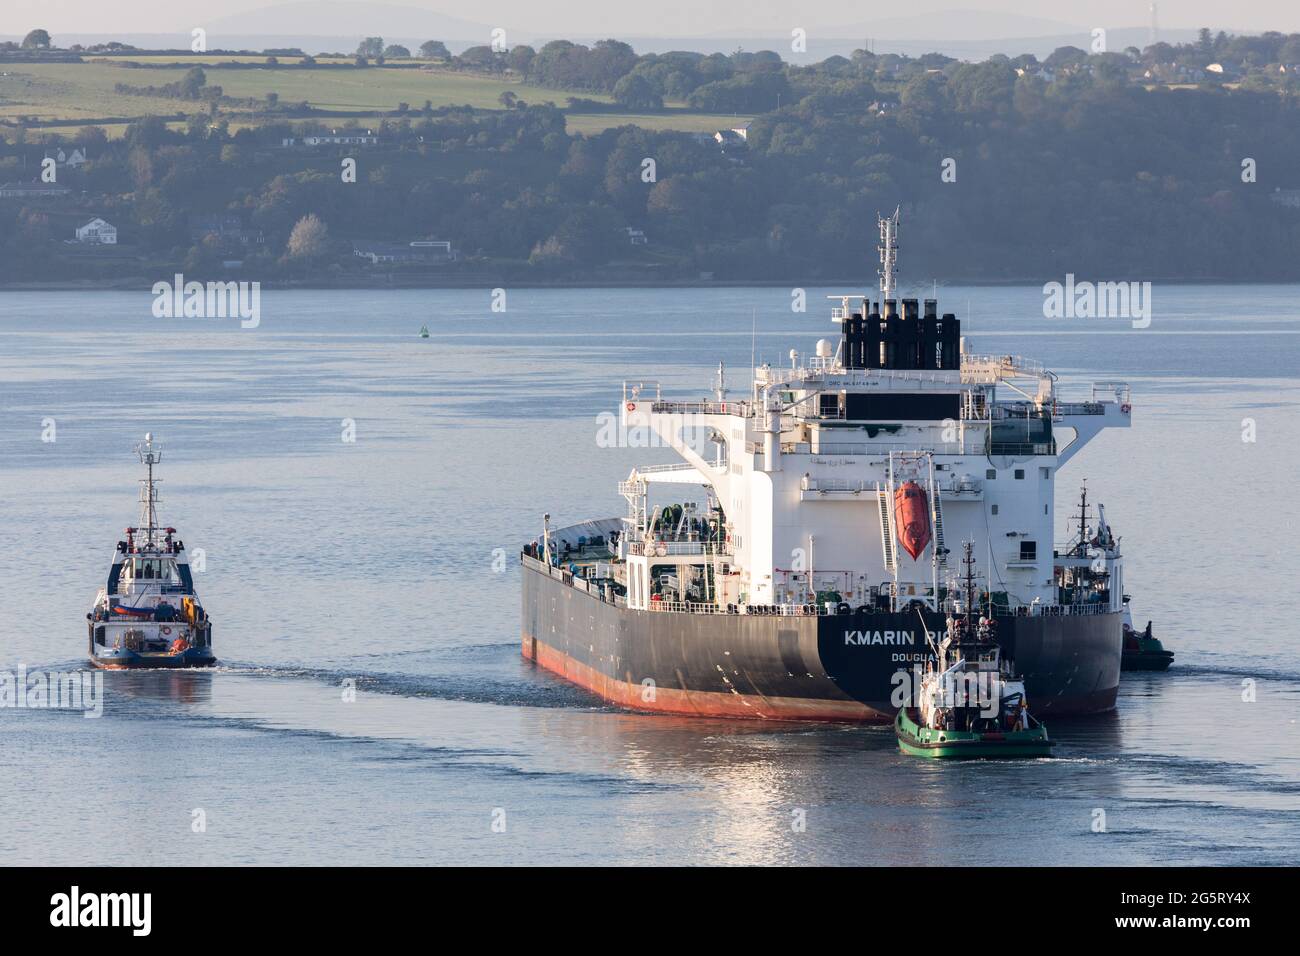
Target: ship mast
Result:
[[888, 255], [149, 455], [968, 563], [1081, 549]]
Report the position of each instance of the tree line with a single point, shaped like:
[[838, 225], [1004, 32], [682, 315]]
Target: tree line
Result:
[[1004, 173]]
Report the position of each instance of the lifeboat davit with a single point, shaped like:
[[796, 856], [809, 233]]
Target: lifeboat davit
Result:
[[912, 517]]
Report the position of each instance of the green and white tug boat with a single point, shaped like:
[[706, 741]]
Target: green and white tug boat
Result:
[[971, 704]]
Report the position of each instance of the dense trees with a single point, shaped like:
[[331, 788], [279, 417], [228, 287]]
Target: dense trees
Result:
[[308, 239], [636, 92], [1077, 169]]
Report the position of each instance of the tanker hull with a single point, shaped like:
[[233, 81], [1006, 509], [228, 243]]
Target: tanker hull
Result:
[[844, 667]]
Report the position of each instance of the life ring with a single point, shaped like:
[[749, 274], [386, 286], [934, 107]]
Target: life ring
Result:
[[1126, 409], [631, 406]]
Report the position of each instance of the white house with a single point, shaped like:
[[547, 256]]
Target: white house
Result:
[[428, 251], [333, 139], [97, 232], [32, 190], [1286, 197]]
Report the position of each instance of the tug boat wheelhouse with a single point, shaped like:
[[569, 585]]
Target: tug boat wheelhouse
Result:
[[148, 615], [805, 579]]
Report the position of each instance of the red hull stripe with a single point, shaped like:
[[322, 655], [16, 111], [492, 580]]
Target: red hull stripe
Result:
[[695, 703]]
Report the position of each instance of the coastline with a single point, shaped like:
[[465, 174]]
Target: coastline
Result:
[[143, 285]]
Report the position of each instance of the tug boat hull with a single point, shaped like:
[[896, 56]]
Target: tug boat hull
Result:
[[1147, 659], [921, 741], [838, 667], [113, 650], [130, 660]]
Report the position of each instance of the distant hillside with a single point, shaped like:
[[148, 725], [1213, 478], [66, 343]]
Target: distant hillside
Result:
[[337, 18]]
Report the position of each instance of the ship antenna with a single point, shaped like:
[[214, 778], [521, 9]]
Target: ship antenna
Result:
[[968, 562], [888, 255], [149, 454], [1082, 547]]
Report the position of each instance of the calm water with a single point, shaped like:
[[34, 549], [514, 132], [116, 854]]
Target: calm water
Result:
[[374, 561]]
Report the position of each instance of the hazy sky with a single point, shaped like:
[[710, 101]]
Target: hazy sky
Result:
[[660, 17]]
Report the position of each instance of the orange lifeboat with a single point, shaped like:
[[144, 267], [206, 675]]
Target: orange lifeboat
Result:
[[912, 517]]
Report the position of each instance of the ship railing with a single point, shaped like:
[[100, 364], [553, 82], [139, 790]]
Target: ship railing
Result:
[[767, 610], [1059, 610], [822, 610], [663, 549], [576, 581], [967, 447], [1111, 391], [632, 391], [739, 409], [808, 373], [660, 469], [1060, 409], [1021, 449], [809, 483], [981, 367]]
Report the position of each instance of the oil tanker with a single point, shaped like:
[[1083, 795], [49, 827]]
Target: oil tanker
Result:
[[794, 564]]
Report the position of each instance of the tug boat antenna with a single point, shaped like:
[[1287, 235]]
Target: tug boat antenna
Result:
[[149, 454]]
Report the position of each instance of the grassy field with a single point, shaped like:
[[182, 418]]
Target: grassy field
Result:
[[587, 124], [687, 122], [85, 90]]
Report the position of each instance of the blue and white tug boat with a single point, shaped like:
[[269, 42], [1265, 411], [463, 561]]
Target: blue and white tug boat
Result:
[[148, 615]]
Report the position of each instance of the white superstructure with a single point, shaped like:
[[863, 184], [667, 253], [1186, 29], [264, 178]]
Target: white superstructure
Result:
[[803, 473]]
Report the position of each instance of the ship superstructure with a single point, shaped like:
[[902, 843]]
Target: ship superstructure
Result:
[[834, 489], [148, 614]]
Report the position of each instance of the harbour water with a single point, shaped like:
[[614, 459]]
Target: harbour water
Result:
[[387, 564]]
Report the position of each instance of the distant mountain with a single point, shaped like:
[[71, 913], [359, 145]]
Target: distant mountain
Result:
[[966, 25], [335, 18], [822, 44]]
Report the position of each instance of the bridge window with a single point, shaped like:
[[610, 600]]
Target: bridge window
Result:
[[991, 474], [1020, 474]]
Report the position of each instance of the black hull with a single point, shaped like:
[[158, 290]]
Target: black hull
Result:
[[1147, 660], [834, 667]]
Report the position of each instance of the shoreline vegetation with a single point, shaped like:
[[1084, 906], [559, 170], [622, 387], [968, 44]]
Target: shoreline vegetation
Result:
[[593, 166], [852, 286]]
